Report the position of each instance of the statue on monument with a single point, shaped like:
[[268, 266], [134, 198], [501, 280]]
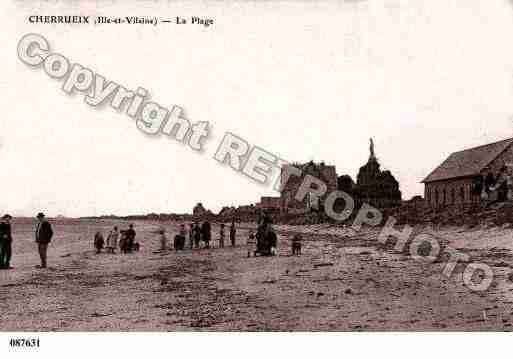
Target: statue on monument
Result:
[[372, 149]]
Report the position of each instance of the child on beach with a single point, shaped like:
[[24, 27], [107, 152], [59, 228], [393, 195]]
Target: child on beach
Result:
[[98, 242], [123, 242], [179, 241], [161, 232], [251, 243], [296, 245]]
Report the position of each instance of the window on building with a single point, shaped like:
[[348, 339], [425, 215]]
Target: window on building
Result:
[[453, 196], [444, 197], [436, 196], [462, 194]]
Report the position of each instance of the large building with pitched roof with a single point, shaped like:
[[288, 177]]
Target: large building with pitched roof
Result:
[[452, 181]]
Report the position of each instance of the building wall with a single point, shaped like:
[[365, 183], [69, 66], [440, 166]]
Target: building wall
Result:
[[448, 192]]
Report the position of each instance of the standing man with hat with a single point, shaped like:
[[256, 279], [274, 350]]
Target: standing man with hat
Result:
[[44, 235], [5, 242]]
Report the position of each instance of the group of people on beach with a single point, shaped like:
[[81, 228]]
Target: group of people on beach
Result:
[[264, 242], [197, 235], [43, 236], [124, 238]]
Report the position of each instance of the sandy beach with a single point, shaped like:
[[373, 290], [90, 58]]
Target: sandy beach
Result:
[[343, 281]]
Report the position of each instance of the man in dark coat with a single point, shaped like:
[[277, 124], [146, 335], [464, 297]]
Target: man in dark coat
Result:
[[191, 235], [130, 236], [44, 234], [206, 233], [197, 235], [5, 242], [232, 233]]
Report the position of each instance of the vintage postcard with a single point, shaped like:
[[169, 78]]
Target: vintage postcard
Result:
[[246, 166]]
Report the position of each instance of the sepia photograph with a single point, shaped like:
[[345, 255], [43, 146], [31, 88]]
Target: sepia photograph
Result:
[[292, 172]]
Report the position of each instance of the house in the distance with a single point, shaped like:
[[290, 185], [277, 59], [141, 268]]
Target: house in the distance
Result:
[[451, 182]]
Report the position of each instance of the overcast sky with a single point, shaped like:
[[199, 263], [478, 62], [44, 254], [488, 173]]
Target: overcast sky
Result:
[[301, 80]]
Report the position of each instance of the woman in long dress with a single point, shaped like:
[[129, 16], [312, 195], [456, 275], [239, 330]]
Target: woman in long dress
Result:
[[112, 240], [162, 238]]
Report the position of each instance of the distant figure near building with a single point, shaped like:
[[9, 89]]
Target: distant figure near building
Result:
[[44, 234], [206, 233], [489, 180], [221, 236], [233, 232], [5, 242], [98, 242], [501, 186]]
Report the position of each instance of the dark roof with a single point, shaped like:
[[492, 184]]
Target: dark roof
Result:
[[468, 162]]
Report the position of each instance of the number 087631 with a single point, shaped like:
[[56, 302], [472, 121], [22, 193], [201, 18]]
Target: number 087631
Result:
[[24, 342]]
